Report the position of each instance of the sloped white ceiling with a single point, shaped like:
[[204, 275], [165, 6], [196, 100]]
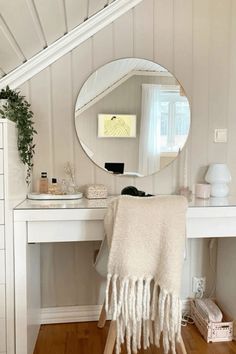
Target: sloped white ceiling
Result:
[[29, 26]]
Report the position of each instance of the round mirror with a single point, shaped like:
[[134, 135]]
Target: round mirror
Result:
[[132, 117]]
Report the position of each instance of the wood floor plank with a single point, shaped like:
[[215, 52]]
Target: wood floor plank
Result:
[[87, 338]]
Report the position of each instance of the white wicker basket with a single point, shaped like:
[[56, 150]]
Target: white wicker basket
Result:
[[213, 331], [96, 191]]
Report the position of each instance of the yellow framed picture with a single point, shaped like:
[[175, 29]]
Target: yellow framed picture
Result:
[[117, 126]]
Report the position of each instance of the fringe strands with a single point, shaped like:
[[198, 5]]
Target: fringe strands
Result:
[[143, 311]]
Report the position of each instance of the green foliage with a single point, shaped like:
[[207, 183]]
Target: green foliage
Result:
[[18, 110]]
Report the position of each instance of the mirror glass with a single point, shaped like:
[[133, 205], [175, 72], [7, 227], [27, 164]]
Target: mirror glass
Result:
[[132, 117]]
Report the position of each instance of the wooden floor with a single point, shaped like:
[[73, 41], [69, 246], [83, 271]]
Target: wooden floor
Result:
[[86, 338]]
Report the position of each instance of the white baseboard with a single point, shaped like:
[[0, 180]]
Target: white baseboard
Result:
[[68, 314]]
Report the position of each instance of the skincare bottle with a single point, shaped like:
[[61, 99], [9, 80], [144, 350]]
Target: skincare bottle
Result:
[[43, 183], [53, 187]]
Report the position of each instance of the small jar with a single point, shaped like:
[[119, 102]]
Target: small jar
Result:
[[53, 187]]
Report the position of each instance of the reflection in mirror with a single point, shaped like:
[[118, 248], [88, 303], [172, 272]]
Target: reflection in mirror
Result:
[[132, 115]]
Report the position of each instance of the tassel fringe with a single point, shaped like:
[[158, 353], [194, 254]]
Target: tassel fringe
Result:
[[143, 311]]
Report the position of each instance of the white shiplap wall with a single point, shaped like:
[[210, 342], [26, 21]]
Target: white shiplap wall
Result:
[[47, 21], [194, 40]]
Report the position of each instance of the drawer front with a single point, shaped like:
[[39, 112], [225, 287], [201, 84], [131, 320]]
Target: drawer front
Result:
[[1, 161], [1, 186], [1, 135], [65, 231], [2, 301], [2, 267], [2, 335], [2, 237], [2, 212]]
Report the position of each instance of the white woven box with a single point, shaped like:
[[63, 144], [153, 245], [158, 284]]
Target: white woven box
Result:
[[96, 191], [213, 331]]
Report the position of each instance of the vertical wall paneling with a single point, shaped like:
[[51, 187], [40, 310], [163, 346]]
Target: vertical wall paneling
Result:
[[2, 335], [225, 285], [226, 264], [200, 105], [37, 23], [95, 6], [24, 30], [87, 291], [52, 19], [103, 47], [76, 12], [62, 114], [163, 33], [231, 151], [103, 52], [123, 47], [143, 30], [40, 100], [2, 237], [2, 267], [81, 69], [48, 270], [8, 57], [218, 75], [9, 36], [123, 36], [183, 43], [2, 300], [163, 181]]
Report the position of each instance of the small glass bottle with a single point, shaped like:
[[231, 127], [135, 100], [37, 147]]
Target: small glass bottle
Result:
[[53, 187], [43, 183]]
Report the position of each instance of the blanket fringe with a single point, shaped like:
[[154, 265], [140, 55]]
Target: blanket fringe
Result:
[[143, 311]]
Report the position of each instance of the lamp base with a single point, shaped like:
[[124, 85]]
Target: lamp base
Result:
[[219, 190]]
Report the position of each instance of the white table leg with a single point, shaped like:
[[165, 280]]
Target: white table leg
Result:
[[27, 290]]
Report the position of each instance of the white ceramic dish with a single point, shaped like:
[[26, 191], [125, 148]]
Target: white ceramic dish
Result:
[[38, 196]]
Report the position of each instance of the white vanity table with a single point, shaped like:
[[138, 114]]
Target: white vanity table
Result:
[[82, 220]]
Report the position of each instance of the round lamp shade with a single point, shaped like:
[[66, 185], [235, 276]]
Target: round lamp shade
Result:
[[218, 173], [218, 176]]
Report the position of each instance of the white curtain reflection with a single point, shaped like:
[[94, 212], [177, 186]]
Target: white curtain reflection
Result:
[[150, 130]]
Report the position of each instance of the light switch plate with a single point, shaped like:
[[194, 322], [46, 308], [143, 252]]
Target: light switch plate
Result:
[[220, 136]]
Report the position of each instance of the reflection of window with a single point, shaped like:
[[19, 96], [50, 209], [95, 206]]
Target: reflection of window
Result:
[[175, 119]]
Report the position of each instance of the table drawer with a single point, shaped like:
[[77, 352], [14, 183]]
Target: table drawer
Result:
[[65, 231], [2, 335], [2, 237], [2, 266]]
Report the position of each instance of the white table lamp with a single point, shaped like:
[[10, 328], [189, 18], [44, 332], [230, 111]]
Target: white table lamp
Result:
[[218, 176]]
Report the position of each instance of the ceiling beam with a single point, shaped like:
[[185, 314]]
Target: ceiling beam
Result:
[[67, 43]]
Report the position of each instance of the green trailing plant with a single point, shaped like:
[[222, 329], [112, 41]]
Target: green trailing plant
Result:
[[17, 109]]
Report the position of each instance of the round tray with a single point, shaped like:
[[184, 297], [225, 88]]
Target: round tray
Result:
[[38, 196]]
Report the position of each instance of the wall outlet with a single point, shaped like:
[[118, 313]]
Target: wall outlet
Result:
[[199, 284]]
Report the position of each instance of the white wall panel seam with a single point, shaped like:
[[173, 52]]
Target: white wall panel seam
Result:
[[155, 26], [72, 111], [228, 69], [2, 73], [12, 41], [87, 11], [62, 8], [51, 121], [38, 26]]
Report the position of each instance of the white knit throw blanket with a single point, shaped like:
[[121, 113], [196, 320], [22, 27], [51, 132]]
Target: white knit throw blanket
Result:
[[146, 237]]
